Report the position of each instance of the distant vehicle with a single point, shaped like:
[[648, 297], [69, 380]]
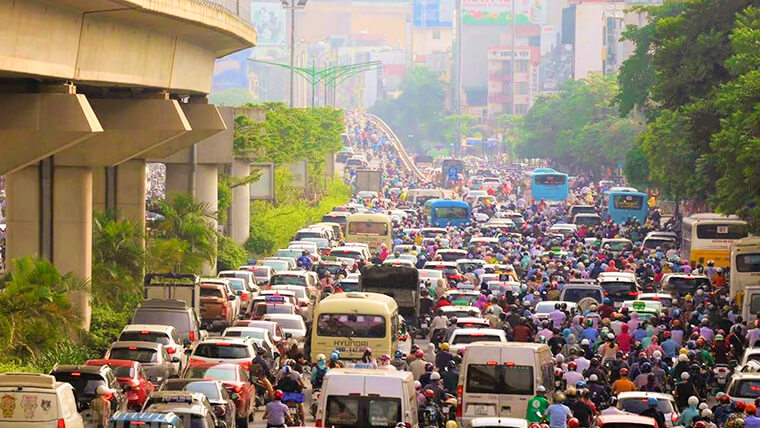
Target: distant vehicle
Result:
[[745, 264], [624, 205], [709, 236], [449, 212], [546, 184], [131, 377]]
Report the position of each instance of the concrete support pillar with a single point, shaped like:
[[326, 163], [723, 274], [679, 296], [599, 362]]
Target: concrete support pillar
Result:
[[130, 191], [239, 218], [23, 213], [206, 191], [179, 179], [72, 229]]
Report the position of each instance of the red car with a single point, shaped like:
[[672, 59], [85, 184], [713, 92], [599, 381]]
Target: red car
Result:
[[235, 379], [130, 374]]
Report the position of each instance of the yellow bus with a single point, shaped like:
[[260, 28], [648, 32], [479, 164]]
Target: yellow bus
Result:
[[371, 229], [351, 322], [709, 236]]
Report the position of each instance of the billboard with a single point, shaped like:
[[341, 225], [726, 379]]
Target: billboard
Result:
[[263, 188], [269, 19], [499, 12], [433, 13]]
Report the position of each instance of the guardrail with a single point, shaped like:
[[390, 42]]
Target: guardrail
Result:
[[405, 159], [240, 8]]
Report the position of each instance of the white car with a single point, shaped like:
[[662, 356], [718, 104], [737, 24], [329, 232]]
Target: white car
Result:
[[164, 334], [224, 350], [290, 324], [462, 337]]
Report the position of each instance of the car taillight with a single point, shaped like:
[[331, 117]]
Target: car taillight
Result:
[[61, 423], [194, 361], [246, 365], [460, 390], [191, 336], [633, 293], [244, 297], [318, 423], [303, 304], [171, 350], [674, 417]]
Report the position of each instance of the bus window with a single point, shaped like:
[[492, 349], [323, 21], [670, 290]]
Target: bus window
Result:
[[721, 231], [551, 180], [367, 228], [351, 325]]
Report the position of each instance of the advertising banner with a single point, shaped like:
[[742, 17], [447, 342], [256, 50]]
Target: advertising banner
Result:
[[499, 12], [433, 13], [269, 20], [263, 188]]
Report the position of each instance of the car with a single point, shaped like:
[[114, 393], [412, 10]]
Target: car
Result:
[[236, 381], [192, 407], [450, 271], [617, 245], [462, 337], [349, 252], [463, 297], [434, 277], [158, 364], [306, 297], [399, 261], [460, 311], [260, 337], [261, 274], [350, 283], [627, 421], [472, 322], [292, 263], [464, 264], [275, 264], [272, 305], [681, 284], [619, 286], [275, 331], [86, 379], [587, 219], [224, 350], [242, 292], [296, 277], [451, 255], [246, 275], [750, 354], [654, 240], [164, 334], [544, 308], [61, 408], [665, 299], [171, 312], [636, 402], [577, 292], [131, 377], [292, 325], [495, 422], [563, 229], [220, 400], [218, 308]]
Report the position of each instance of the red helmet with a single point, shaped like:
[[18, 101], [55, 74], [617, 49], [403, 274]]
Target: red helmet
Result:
[[572, 365], [535, 425], [624, 372], [429, 393], [278, 395], [739, 406], [666, 333], [573, 423], [751, 409], [699, 424], [725, 399], [700, 342], [544, 425]]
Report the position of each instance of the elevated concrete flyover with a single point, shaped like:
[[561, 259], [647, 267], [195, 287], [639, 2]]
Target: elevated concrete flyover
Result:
[[90, 89]]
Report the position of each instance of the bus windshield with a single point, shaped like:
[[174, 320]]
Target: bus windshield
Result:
[[367, 228], [628, 202], [550, 179], [721, 231], [451, 212], [351, 325]]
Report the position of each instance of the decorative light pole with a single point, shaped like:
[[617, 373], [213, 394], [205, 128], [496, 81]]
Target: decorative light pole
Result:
[[292, 5]]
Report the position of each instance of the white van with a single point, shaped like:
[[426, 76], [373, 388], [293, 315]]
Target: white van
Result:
[[498, 379], [37, 401], [365, 398]]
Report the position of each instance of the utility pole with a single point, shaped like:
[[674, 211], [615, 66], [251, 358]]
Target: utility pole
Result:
[[514, 56], [459, 80], [292, 5]]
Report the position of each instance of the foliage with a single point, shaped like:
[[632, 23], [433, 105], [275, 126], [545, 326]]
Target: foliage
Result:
[[229, 255], [675, 77], [107, 323], [62, 353], [417, 113], [636, 168], [118, 258], [36, 308], [183, 238], [224, 197], [578, 127], [455, 124], [272, 226]]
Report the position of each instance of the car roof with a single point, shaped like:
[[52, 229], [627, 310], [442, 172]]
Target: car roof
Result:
[[138, 344], [645, 394], [499, 422], [282, 316], [481, 331], [149, 327], [625, 419]]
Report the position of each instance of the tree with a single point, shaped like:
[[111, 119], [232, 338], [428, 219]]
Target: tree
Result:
[[455, 125], [418, 110], [187, 232], [118, 258]]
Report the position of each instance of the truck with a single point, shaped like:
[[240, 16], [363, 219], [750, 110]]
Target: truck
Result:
[[399, 282], [368, 180], [450, 170], [185, 287]]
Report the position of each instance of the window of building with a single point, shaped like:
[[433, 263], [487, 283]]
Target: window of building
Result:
[[436, 35], [522, 88], [522, 66]]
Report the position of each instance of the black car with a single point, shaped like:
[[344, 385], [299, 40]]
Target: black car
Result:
[[85, 381], [221, 402]]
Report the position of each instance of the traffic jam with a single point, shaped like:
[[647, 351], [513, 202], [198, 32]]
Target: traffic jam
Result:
[[474, 292]]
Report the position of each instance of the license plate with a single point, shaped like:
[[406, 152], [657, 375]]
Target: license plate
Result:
[[423, 325], [481, 410], [445, 410]]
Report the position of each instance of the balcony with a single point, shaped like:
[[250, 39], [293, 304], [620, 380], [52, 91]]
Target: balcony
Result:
[[499, 99], [500, 76]]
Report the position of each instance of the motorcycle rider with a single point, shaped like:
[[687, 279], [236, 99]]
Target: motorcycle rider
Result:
[[319, 372], [537, 406], [399, 361], [276, 413]]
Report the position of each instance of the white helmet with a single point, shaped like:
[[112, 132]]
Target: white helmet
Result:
[[435, 376], [685, 376], [541, 388], [593, 378], [693, 401]]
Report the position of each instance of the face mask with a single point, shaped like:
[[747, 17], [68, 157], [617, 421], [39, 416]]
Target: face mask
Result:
[[321, 364]]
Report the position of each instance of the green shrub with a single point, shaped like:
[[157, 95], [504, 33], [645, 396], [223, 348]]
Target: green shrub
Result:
[[62, 353], [106, 324], [229, 255]]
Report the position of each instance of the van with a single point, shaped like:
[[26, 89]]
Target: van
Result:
[[365, 398], [171, 312], [37, 401], [498, 379]]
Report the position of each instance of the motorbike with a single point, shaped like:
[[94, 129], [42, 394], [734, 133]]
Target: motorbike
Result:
[[423, 327], [449, 408], [293, 401], [315, 396], [721, 375], [430, 417]]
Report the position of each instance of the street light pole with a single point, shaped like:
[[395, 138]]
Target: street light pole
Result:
[[514, 57], [292, 5]]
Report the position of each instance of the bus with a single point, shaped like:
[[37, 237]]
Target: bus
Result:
[[709, 236], [623, 205], [371, 229], [353, 321], [745, 264], [548, 185], [448, 212]]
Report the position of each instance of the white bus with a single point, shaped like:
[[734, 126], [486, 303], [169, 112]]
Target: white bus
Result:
[[708, 236], [371, 229], [745, 264]]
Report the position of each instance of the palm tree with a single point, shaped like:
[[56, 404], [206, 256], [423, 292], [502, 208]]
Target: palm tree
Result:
[[118, 258], [187, 220], [37, 311]]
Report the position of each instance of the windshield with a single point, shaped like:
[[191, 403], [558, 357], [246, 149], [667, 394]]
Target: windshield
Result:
[[211, 292], [237, 284], [180, 320], [367, 228], [208, 389], [628, 202], [619, 290], [256, 334], [550, 179], [211, 373], [134, 353], [687, 285], [356, 255], [144, 336], [123, 371], [289, 323], [222, 350], [288, 280], [577, 294], [351, 325], [451, 212], [748, 263], [721, 231], [749, 388], [499, 379], [653, 243], [619, 245], [466, 339], [289, 253], [273, 308], [84, 384], [363, 411], [638, 405]]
